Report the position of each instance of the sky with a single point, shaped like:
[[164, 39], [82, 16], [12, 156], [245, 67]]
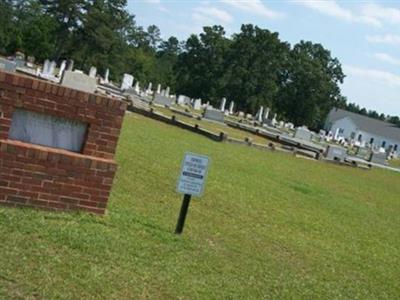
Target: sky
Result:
[[363, 35]]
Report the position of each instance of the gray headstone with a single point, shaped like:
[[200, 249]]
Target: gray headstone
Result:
[[266, 115], [214, 115], [167, 91], [303, 134], [79, 81], [379, 158], [7, 65], [335, 153], [162, 100]]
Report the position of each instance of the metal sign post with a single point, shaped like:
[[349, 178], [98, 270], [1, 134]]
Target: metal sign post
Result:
[[191, 183]]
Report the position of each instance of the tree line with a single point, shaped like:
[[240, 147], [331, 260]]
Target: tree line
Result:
[[253, 67]]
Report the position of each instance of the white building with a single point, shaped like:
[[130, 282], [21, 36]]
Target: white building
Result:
[[362, 129]]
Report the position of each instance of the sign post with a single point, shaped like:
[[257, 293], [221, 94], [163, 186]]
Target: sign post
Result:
[[191, 183]]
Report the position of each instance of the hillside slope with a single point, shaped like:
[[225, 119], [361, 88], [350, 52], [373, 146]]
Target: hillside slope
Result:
[[268, 226]]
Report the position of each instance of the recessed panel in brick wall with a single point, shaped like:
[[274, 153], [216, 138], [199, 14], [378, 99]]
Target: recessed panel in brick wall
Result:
[[47, 130], [34, 112]]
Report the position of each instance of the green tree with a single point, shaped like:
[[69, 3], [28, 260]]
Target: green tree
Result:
[[200, 67], [253, 67], [310, 85]]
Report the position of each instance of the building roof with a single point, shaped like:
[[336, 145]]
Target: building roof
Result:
[[367, 124]]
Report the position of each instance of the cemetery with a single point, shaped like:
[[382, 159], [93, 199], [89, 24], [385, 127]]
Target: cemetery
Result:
[[261, 204]]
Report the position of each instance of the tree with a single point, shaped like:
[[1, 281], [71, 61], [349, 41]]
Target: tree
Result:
[[200, 67], [310, 85], [253, 66]]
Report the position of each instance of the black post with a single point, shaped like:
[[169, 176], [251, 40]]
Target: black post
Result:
[[183, 213]]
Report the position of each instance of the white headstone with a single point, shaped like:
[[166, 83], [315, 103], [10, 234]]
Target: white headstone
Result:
[[223, 103], [106, 75], [231, 106], [46, 67], [62, 68], [274, 121], [260, 114], [137, 87], [159, 89], [127, 81], [93, 72], [266, 114], [197, 104], [149, 88], [167, 92], [52, 67]]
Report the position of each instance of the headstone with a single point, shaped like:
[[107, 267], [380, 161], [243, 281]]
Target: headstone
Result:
[[46, 67], [137, 87], [79, 81], [214, 115], [281, 124], [266, 115], [335, 153], [231, 106], [159, 89], [167, 91], [62, 68], [52, 67], [149, 88], [259, 115], [379, 158], [7, 65], [197, 104], [182, 100], [70, 65], [223, 103], [162, 100], [127, 81], [241, 114], [93, 72], [106, 75], [303, 134], [249, 116], [274, 121]]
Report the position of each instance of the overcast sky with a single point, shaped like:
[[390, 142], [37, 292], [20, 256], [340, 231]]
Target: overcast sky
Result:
[[363, 35]]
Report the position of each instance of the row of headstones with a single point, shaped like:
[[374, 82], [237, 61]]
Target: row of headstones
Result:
[[127, 84]]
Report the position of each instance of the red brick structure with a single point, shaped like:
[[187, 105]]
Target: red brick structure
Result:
[[50, 178]]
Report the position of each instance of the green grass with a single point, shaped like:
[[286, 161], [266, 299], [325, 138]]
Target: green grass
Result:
[[215, 126], [394, 163], [268, 226]]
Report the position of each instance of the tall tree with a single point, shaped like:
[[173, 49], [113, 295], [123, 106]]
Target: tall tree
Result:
[[200, 67], [253, 66], [310, 85]]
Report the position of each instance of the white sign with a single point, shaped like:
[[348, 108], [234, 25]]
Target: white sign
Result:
[[193, 174]]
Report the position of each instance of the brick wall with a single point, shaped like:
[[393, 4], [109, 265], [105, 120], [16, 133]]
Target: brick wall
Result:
[[37, 176]]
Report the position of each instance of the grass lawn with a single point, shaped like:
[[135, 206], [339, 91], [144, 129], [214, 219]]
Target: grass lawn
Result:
[[394, 163], [215, 126], [268, 226]]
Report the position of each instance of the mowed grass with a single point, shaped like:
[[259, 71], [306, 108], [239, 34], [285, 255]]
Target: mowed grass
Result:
[[268, 226]]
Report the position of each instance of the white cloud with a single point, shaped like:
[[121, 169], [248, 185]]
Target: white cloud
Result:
[[393, 39], [378, 76], [387, 58], [382, 13], [255, 7], [333, 9], [210, 14]]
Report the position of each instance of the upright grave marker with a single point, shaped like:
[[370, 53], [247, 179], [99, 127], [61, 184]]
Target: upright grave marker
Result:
[[191, 183]]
